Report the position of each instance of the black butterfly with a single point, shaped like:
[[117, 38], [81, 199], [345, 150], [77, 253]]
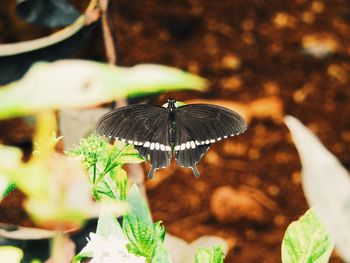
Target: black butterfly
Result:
[[157, 132]]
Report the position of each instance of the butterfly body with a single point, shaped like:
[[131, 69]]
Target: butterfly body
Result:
[[157, 133]]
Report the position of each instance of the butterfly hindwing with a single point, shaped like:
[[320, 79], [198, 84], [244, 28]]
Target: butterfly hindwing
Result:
[[145, 126], [200, 125]]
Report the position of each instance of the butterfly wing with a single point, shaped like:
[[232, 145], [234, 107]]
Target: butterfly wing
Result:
[[200, 125], [145, 126]]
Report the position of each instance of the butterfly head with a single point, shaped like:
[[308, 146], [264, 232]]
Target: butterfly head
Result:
[[171, 105]]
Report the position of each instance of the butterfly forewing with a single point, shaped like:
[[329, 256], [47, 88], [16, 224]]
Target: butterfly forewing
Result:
[[145, 126], [150, 127], [200, 125]]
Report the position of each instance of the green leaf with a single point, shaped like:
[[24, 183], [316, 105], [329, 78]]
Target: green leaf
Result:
[[161, 255], [145, 237], [209, 255], [81, 256], [81, 84], [326, 184], [130, 158], [306, 241], [121, 179], [9, 189], [107, 224], [138, 207], [10, 254]]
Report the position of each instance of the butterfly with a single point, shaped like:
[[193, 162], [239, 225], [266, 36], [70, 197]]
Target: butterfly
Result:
[[158, 132]]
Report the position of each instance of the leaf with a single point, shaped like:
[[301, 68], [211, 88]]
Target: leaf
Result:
[[24, 233], [61, 44], [145, 237], [10, 159], [82, 256], [121, 179], [10, 254], [139, 210], [306, 241], [79, 84], [209, 255], [9, 187], [26, 47], [107, 223], [161, 255], [47, 13], [326, 185], [130, 158], [183, 252]]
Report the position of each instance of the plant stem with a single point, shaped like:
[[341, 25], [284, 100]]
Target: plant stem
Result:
[[57, 248], [45, 127], [94, 175], [109, 181]]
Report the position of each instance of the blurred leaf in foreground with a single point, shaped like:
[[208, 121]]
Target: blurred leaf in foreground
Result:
[[58, 192], [326, 185], [10, 254], [10, 158], [79, 84], [48, 13], [306, 241]]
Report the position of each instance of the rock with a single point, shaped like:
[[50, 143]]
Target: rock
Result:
[[229, 206]]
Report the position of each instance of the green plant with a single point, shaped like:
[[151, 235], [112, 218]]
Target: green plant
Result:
[[326, 184], [49, 179], [104, 164], [209, 255], [306, 241]]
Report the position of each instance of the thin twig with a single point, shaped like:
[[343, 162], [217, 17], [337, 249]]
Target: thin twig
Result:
[[107, 34]]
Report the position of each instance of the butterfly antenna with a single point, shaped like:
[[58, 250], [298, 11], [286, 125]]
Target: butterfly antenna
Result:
[[195, 171]]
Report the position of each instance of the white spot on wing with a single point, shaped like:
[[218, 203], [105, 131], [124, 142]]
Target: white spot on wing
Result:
[[193, 145], [177, 148], [188, 145], [197, 143], [225, 136], [218, 139], [168, 148], [162, 147], [157, 146], [147, 144], [212, 141], [123, 140], [152, 146], [183, 146], [129, 142], [207, 142]]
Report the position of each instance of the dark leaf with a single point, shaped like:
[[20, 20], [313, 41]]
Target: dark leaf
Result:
[[47, 13]]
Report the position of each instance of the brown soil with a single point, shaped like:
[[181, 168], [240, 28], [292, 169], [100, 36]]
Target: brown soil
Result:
[[247, 50]]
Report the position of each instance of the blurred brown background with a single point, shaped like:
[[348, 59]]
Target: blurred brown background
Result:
[[265, 58]]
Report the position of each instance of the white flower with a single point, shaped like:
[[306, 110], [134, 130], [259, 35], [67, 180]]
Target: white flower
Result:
[[110, 249]]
